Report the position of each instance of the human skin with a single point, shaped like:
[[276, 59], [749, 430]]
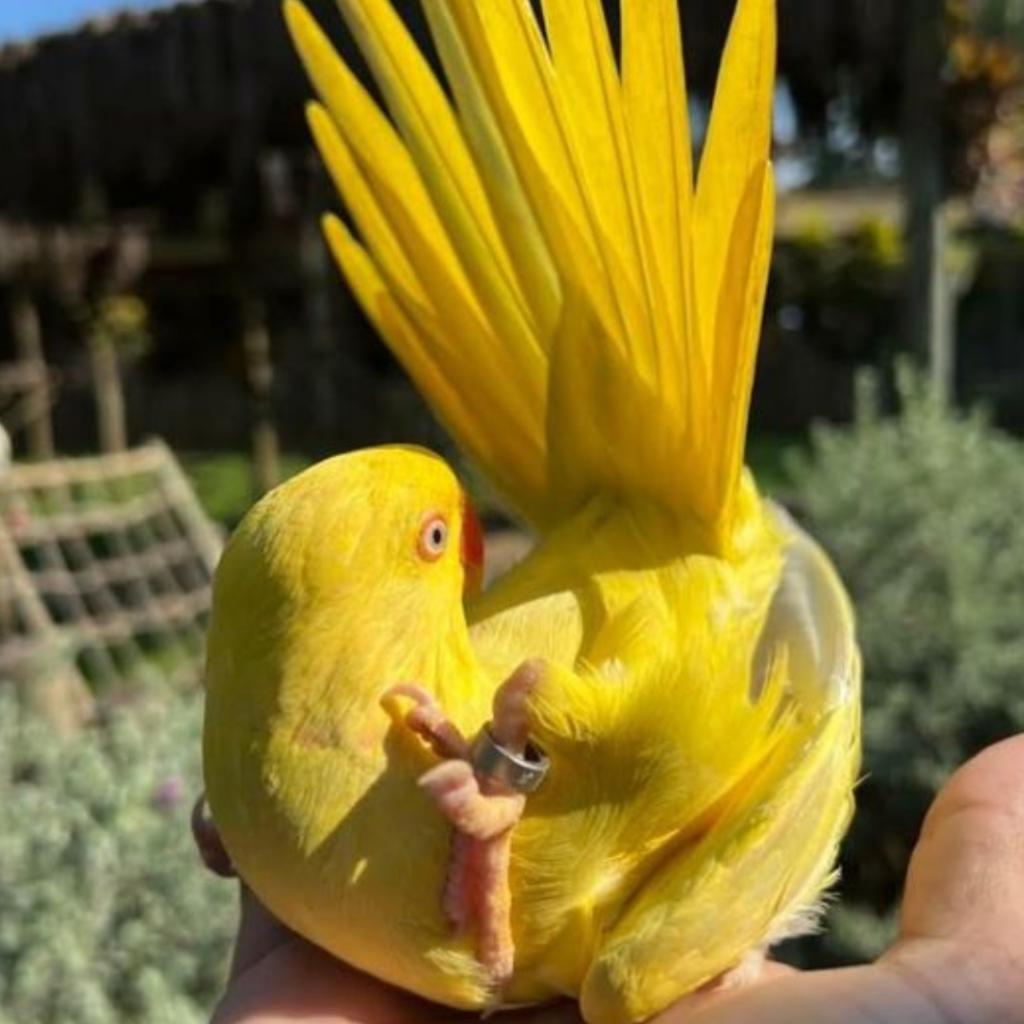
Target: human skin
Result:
[[959, 958]]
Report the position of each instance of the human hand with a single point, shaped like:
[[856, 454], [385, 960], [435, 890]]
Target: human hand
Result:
[[959, 958]]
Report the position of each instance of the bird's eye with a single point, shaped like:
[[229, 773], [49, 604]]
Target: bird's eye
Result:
[[433, 539]]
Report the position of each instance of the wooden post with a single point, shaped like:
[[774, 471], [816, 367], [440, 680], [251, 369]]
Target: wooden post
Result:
[[927, 304], [942, 341], [28, 340], [260, 373], [109, 391], [319, 281]]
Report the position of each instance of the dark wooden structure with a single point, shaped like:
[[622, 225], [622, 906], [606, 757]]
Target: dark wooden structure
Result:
[[183, 127], [152, 109]]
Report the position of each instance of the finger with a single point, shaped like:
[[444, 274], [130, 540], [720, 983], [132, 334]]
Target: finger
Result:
[[298, 982], [562, 1012], [963, 910], [716, 993], [852, 995], [208, 842], [259, 934], [966, 877]]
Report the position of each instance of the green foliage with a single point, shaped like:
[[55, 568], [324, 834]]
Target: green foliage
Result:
[[106, 915], [840, 291], [119, 320], [1000, 18], [769, 456], [226, 485], [922, 514]]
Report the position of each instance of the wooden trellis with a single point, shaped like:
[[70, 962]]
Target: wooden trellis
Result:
[[109, 559]]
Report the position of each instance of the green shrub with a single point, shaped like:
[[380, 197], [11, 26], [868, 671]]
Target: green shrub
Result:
[[106, 915], [922, 513], [225, 483]]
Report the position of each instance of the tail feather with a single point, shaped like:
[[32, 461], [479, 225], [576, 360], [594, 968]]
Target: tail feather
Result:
[[435, 141], [519, 84], [430, 286], [593, 318], [737, 332], [368, 209], [454, 30], [433, 372], [657, 116], [594, 122]]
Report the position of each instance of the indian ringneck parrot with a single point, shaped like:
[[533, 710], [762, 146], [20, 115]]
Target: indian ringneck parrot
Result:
[[623, 770]]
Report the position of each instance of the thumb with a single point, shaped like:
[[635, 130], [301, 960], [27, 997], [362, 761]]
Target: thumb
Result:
[[966, 877], [963, 909], [961, 953]]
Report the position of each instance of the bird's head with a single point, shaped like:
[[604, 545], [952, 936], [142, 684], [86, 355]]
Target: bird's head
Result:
[[386, 526]]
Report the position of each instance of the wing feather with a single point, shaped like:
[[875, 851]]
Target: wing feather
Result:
[[433, 135], [655, 105], [591, 95]]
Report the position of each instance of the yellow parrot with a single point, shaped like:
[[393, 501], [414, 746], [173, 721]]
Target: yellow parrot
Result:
[[623, 770]]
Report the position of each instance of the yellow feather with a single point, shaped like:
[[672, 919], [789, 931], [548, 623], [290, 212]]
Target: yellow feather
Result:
[[519, 83], [389, 319], [769, 835], [591, 96], [437, 368], [737, 332], [515, 218], [738, 143], [425, 118], [366, 211], [368, 136], [655, 104], [460, 335]]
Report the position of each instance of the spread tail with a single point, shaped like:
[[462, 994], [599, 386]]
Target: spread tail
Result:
[[530, 243]]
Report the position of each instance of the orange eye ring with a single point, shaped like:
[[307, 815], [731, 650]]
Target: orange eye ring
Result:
[[433, 538]]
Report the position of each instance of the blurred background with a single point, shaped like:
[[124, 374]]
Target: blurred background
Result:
[[173, 341]]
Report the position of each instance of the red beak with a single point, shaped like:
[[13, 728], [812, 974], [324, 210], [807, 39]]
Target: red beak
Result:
[[472, 549]]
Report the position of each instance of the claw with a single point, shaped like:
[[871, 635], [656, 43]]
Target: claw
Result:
[[511, 725], [428, 720]]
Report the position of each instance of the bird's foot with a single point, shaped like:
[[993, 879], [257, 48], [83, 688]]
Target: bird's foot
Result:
[[483, 808], [461, 797], [428, 720], [511, 725], [477, 889]]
